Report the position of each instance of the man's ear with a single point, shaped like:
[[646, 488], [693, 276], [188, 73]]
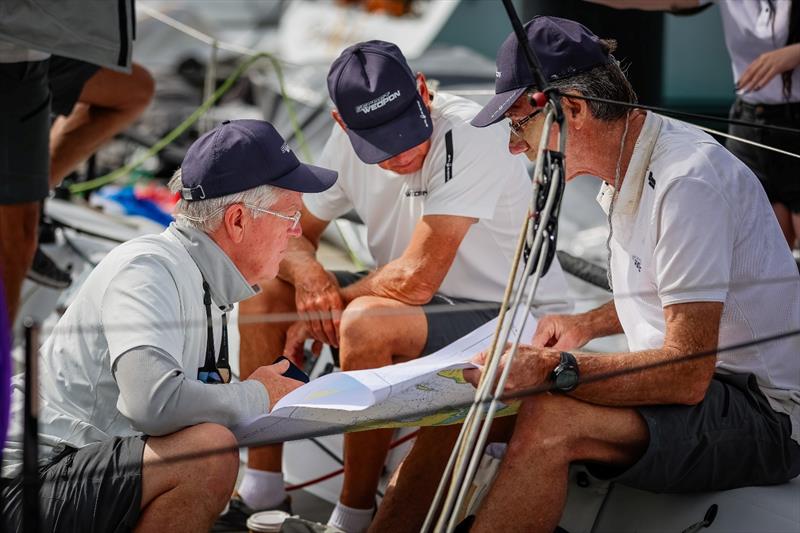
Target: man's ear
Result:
[[234, 222], [576, 110], [338, 118], [422, 89]]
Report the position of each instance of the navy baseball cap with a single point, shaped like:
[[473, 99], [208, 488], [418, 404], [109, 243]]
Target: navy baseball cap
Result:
[[376, 95], [239, 155], [564, 47]]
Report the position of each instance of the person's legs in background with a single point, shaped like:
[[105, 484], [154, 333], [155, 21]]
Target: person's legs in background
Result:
[[107, 102], [24, 170]]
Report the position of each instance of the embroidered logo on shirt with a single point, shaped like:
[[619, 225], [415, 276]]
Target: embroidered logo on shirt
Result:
[[637, 262], [651, 181], [412, 192], [498, 74], [377, 103]]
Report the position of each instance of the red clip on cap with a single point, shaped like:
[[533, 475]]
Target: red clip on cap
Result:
[[538, 99]]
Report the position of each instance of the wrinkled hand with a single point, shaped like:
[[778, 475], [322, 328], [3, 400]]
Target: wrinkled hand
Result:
[[767, 66], [320, 305], [296, 337], [531, 367], [562, 332], [277, 385]]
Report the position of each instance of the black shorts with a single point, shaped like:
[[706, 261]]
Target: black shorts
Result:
[[731, 439], [778, 173], [24, 132], [29, 93], [444, 326], [67, 78], [95, 488]]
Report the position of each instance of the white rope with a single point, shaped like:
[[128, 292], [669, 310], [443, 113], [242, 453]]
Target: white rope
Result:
[[746, 141]]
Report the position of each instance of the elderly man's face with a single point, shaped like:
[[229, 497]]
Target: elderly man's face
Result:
[[270, 238], [526, 127], [409, 161]]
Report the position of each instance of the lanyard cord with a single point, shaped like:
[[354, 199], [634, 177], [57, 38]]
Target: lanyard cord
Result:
[[221, 363]]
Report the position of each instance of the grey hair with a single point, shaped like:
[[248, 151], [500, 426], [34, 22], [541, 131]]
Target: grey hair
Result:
[[606, 81], [206, 215]]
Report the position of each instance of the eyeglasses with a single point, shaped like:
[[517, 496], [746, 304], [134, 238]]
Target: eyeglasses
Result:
[[295, 218], [518, 127]]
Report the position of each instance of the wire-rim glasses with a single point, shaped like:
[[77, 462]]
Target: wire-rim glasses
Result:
[[519, 126], [294, 218]]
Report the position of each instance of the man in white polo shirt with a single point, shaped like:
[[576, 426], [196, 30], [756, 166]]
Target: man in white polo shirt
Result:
[[442, 202], [701, 278], [135, 399]]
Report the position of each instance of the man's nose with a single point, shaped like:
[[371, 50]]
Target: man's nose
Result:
[[517, 145]]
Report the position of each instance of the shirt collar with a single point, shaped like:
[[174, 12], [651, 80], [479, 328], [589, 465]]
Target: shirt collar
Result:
[[630, 193], [226, 283]]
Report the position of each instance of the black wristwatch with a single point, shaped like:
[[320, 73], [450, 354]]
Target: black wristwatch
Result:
[[565, 375]]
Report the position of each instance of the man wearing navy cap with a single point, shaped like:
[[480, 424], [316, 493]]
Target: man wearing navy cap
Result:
[[698, 265], [136, 371], [442, 202]]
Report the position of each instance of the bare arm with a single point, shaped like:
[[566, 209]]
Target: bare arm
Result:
[[691, 328], [649, 5], [301, 255], [415, 276], [567, 332]]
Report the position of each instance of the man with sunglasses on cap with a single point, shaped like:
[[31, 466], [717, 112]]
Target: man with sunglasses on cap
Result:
[[442, 202], [135, 374], [698, 265]]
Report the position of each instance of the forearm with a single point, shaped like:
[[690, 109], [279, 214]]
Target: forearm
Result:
[[669, 377], [300, 257], [158, 399], [602, 321], [395, 280]]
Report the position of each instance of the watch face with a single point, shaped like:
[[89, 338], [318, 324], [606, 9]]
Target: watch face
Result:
[[566, 380]]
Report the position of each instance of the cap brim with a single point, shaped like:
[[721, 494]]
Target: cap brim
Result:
[[495, 110], [411, 128], [306, 178]]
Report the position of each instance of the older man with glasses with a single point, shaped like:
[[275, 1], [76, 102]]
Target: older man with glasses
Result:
[[136, 395], [701, 277]]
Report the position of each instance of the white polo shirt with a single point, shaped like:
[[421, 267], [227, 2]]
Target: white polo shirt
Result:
[[693, 224], [486, 182], [752, 29]]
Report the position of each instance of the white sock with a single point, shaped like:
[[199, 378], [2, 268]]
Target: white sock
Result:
[[351, 520], [261, 489]]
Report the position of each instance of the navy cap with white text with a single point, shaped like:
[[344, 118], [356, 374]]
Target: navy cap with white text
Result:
[[239, 155], [564, 48], [376, 95]]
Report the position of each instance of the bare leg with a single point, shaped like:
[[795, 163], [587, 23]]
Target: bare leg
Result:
[[109, 102], [370, 340], [414, 483], [796, 226], [551, 432], [18, 224], [262, 342], [187, 495]]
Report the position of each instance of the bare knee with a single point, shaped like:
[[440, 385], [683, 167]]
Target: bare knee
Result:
[[543, 428], [360, 336], [141, 89], [216, 457]]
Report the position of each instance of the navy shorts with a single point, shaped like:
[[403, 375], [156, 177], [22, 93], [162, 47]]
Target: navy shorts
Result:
[[95, 488], [24, 132], [778, 173], [444, 325], [733, 438]]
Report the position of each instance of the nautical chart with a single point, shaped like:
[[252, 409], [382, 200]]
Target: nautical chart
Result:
[[381, 397]]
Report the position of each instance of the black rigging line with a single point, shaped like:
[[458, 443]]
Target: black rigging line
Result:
[[517, 395]]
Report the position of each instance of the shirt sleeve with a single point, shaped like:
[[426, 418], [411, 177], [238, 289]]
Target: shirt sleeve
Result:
[[156, 397], [333, 202], [141, 307], [694, 243], [472, 186]]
